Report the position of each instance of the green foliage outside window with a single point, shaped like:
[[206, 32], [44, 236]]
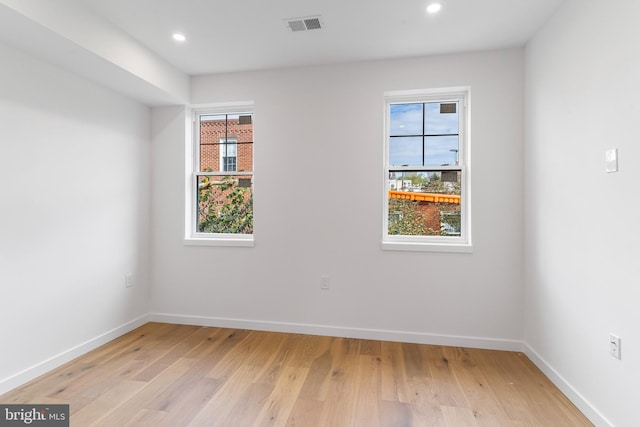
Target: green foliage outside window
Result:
[[405, 219], [224, 207]]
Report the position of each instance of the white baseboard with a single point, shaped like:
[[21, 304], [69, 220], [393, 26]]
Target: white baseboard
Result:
[[572, 394], [45, 366], [339, 331]]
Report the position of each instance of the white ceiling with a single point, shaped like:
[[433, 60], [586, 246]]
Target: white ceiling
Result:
[[127, 45], [237, 35]]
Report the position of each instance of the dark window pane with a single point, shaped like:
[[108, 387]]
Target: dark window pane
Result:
[[229, 164]]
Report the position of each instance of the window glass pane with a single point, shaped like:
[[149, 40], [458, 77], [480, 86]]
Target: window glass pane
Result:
[[439, 120], [406, 119], [405, 151], [229, 164], [228, 150], [424, 203], [229, 147], [450, 222], [225, 204], [215, 130], [441, 150]]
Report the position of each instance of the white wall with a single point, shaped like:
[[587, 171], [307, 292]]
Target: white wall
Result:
[[74, 208], [318, 209], [76, 211], [582, 270]]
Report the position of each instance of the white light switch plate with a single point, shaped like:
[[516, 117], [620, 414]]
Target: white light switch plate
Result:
[[611, 160]]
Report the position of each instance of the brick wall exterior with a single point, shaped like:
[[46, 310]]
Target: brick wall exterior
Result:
[[432, 211], [213, 131]]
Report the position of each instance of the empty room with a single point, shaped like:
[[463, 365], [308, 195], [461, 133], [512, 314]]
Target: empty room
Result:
[[319, 213]]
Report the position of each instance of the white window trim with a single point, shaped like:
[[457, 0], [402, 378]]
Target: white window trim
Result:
[[461, 244], [192, 139]]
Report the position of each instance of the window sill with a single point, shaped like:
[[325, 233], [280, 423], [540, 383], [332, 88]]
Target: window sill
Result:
[[427, 247], [235, 241]]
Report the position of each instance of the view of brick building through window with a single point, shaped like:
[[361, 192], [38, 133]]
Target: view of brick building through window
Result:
[[218, 133], [225, 176]]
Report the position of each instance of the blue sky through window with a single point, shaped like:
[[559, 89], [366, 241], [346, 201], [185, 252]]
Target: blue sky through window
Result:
[[410, 123]]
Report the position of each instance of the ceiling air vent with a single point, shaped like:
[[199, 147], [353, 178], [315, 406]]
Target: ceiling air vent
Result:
[[304, 24]]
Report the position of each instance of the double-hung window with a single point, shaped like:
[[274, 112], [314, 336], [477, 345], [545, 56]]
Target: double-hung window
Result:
[[220, 199], [426, 171]]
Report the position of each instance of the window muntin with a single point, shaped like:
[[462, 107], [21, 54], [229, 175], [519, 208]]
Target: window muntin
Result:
[[222, 198], [426, 188]]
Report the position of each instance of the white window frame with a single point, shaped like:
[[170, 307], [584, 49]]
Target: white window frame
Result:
[[460, 243], [192, 161]]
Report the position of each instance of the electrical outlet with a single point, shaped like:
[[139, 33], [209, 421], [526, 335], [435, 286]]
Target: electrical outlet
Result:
[[614, 346], [128, 280], [324, 282]]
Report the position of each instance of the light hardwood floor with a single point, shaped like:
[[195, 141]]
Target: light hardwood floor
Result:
[[176, 375]]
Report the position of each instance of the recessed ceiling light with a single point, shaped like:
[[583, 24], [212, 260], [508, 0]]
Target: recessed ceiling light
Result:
[[179, 37], [434, 8]]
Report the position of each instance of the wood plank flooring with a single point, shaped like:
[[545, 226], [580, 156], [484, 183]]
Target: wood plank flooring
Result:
[[177, 375]]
